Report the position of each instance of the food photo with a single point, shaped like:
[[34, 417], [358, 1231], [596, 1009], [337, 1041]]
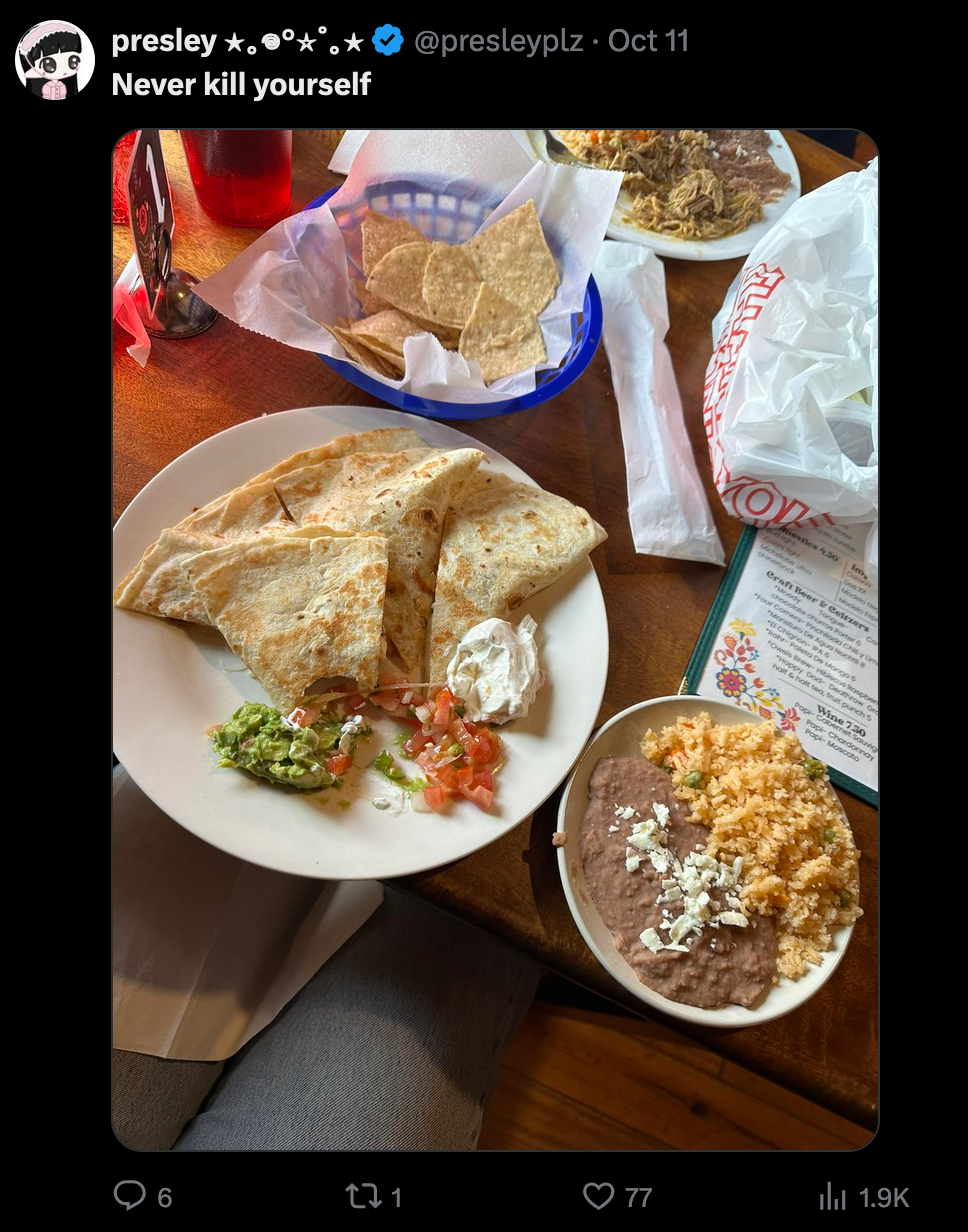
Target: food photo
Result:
[[494, 643]]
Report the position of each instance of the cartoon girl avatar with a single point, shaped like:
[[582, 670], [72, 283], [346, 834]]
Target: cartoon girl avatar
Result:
[[50, 54]]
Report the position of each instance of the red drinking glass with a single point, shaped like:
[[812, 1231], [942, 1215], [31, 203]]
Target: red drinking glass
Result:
[[242, 176]]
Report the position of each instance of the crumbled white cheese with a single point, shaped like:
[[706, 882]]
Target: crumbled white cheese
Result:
[[688, 884], [612, 829], [625, 811], [651, 939]]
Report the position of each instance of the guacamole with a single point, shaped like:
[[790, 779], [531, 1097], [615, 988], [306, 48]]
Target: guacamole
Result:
[[258, 740]]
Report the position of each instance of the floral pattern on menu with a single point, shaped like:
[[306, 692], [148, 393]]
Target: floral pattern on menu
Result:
[[737, 677]]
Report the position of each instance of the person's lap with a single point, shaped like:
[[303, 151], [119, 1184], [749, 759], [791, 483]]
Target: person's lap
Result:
[[393, 1045]]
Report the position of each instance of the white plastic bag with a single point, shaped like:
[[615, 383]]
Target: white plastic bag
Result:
[[790, 403]]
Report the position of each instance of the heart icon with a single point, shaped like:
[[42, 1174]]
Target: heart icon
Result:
[[609, 1191]]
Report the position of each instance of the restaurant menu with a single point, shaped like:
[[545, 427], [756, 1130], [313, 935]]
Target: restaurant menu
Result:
[[793, 637]]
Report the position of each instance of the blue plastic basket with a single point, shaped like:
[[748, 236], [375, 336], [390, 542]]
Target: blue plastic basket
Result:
[[453, 217]]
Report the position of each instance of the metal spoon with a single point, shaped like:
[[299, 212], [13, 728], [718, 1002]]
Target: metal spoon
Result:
[[558, 151]]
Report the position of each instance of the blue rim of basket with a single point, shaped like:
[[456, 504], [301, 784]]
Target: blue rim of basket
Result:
[[550, 382]]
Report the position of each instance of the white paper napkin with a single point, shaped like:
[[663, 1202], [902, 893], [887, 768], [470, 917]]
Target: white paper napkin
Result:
[[668, 510], [208, 948]]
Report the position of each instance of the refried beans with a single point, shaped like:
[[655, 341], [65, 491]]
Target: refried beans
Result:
[[718, 963]]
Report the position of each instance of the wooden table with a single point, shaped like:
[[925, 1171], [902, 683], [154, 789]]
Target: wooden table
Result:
[[572, 445]]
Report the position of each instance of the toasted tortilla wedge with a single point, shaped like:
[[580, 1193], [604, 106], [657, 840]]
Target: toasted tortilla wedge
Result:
[[380, 233], [402, 496], [157, 584], [297, 609], [380, 440], [513, 256], [503, 542]]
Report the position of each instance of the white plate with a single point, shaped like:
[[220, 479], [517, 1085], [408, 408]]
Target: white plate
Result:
[[738, 245], [621, 737], [171, 682]]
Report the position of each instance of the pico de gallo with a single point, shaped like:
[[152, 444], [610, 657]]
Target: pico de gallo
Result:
[[457, 757]]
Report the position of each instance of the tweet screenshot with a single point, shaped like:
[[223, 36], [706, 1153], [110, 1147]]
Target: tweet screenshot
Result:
[[494, 636]]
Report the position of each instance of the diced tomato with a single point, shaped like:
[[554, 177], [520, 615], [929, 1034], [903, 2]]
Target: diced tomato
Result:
[[419, 740], [386, 701], [464, 773], [482, 751], [447, 776], [303, 716], [458, 730], [434, 796], [481, 797], [356, 701], [339, 764], [445, 701]]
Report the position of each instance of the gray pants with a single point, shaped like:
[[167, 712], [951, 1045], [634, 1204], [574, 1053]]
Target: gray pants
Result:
[[393, 1045]]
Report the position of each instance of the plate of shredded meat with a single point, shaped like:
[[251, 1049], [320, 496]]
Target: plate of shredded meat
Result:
[[696, 194]]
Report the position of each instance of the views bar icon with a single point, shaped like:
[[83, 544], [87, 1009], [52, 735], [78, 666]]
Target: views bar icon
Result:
[[832, 1203]]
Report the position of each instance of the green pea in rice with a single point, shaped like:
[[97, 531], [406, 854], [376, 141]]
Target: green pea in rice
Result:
[[759, 802]]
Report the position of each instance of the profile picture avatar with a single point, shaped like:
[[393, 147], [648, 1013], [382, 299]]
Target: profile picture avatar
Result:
[[55, 60]]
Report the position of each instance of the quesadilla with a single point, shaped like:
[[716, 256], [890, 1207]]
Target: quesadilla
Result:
[[503, 542], [297, 609], [380, 440], [403, 496], [157, 585]]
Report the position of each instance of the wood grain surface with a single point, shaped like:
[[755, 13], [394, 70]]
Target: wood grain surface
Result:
[[572, 445]]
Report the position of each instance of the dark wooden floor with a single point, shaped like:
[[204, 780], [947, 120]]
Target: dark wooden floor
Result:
[[584, 1080]]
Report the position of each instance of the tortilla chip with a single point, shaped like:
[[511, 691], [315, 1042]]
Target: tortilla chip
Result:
[[398, 278], [447, 335], [514, 258], [370, 304], [297, 609], [450, 285], [404, 498], [502, 337], [381, 233], [360, 353], [503, 542], [387, 330]]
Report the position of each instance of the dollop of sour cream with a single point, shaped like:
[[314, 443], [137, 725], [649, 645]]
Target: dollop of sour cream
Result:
[[495, 670]]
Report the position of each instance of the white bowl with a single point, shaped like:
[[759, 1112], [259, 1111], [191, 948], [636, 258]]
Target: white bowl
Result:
[[621, 737]]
